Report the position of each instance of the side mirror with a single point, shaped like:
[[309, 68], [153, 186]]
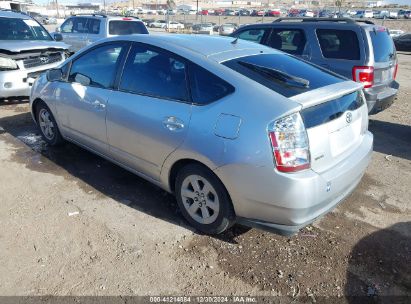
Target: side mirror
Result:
[[54, 75], [58, 36], [82, 79]]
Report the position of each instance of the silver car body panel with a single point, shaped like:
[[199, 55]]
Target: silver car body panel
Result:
[[229, 136]]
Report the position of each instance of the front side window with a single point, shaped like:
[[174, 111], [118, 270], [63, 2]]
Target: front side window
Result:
[[155, 73], [291, 41], [97, 67], [339, 44], [22, 29], [67, 27], [254, 35]]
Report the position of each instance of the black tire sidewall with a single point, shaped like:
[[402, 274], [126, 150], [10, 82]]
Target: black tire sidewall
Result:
[[226, 215], [57, 139]]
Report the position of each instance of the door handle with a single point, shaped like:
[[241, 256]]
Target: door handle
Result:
[[173, 123], [98, 105]]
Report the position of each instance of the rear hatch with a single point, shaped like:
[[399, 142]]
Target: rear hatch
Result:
[[336, 120], [333, 109], [384, 56], [126, 26]]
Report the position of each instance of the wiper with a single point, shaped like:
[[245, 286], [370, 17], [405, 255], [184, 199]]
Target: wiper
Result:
[[277, 75]]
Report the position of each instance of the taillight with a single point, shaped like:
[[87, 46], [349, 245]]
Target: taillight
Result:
[[395, 70], [289, 142], [363, 74]]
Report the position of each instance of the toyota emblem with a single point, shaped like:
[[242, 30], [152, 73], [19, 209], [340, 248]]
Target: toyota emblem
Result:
[[44, 59], [348, 117]]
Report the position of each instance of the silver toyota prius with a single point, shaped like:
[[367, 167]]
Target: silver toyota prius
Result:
[[237, 131]]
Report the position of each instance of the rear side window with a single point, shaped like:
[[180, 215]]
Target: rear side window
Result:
[[93, 26], [382, 44], [291, 41], [207, 87], [80, 25], [156, 73], [120, 27], [254, 35], [339, 44], [283, 73]]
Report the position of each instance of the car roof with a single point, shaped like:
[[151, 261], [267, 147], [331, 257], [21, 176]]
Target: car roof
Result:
[[200, 44], [337, 22], [12, 14]]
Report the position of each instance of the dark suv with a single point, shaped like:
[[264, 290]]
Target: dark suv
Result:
[[358, 50]]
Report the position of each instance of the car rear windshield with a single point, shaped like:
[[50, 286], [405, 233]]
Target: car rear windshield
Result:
[[22, 29], [124, 27], [382, 44], [283, 73]]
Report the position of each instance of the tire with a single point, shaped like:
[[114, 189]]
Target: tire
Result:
[[47, 125], [203, 200]]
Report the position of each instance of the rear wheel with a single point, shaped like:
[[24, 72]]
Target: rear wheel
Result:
[[203, 200], [47, 125]]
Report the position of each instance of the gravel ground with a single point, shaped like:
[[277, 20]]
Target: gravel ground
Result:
[[72, 223]]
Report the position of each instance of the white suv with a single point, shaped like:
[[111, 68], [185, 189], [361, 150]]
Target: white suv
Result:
[[26, 50], [82, 30]]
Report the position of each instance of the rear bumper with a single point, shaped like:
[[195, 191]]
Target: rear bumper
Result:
[[379, 100], [285, 203]]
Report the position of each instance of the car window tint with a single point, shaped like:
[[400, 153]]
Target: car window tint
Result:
[[99, 65], [339, 44], [80, 25], [254, 35], [207, 87], [120, 27], [156, 73], [291, 41], [93, 26], [283, 73], [382, 44], [67, 27]]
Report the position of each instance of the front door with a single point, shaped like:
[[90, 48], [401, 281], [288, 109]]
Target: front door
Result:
[[83, 98]]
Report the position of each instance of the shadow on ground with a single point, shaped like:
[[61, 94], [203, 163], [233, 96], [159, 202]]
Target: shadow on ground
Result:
[[391, 138], [96, 174], [379, 267]]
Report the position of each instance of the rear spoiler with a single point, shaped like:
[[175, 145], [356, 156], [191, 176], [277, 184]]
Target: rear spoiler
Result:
[[327, 93]]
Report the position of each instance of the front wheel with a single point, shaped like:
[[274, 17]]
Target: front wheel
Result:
[[47, 125], [203, 200]]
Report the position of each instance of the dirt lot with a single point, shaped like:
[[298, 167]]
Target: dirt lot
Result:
[[71, 223]]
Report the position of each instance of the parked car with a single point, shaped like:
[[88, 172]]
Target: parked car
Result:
[[381, 14], [226, 29], [174, 25], [403, 42], [203, 28], [368, 14], [407, 15], [396, 33], [26, 51], [360, 51], [158, 24], [393, 15], [81, 30], [201, 137], [359, 14]]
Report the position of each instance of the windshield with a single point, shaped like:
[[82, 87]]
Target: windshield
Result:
[[22, 29], [283, 73], [383, 45], [120, 27]]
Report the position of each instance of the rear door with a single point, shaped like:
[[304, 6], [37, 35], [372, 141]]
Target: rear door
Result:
[[149, 115], [339, 50], [384, 56], [292, 40], [94, 30]]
